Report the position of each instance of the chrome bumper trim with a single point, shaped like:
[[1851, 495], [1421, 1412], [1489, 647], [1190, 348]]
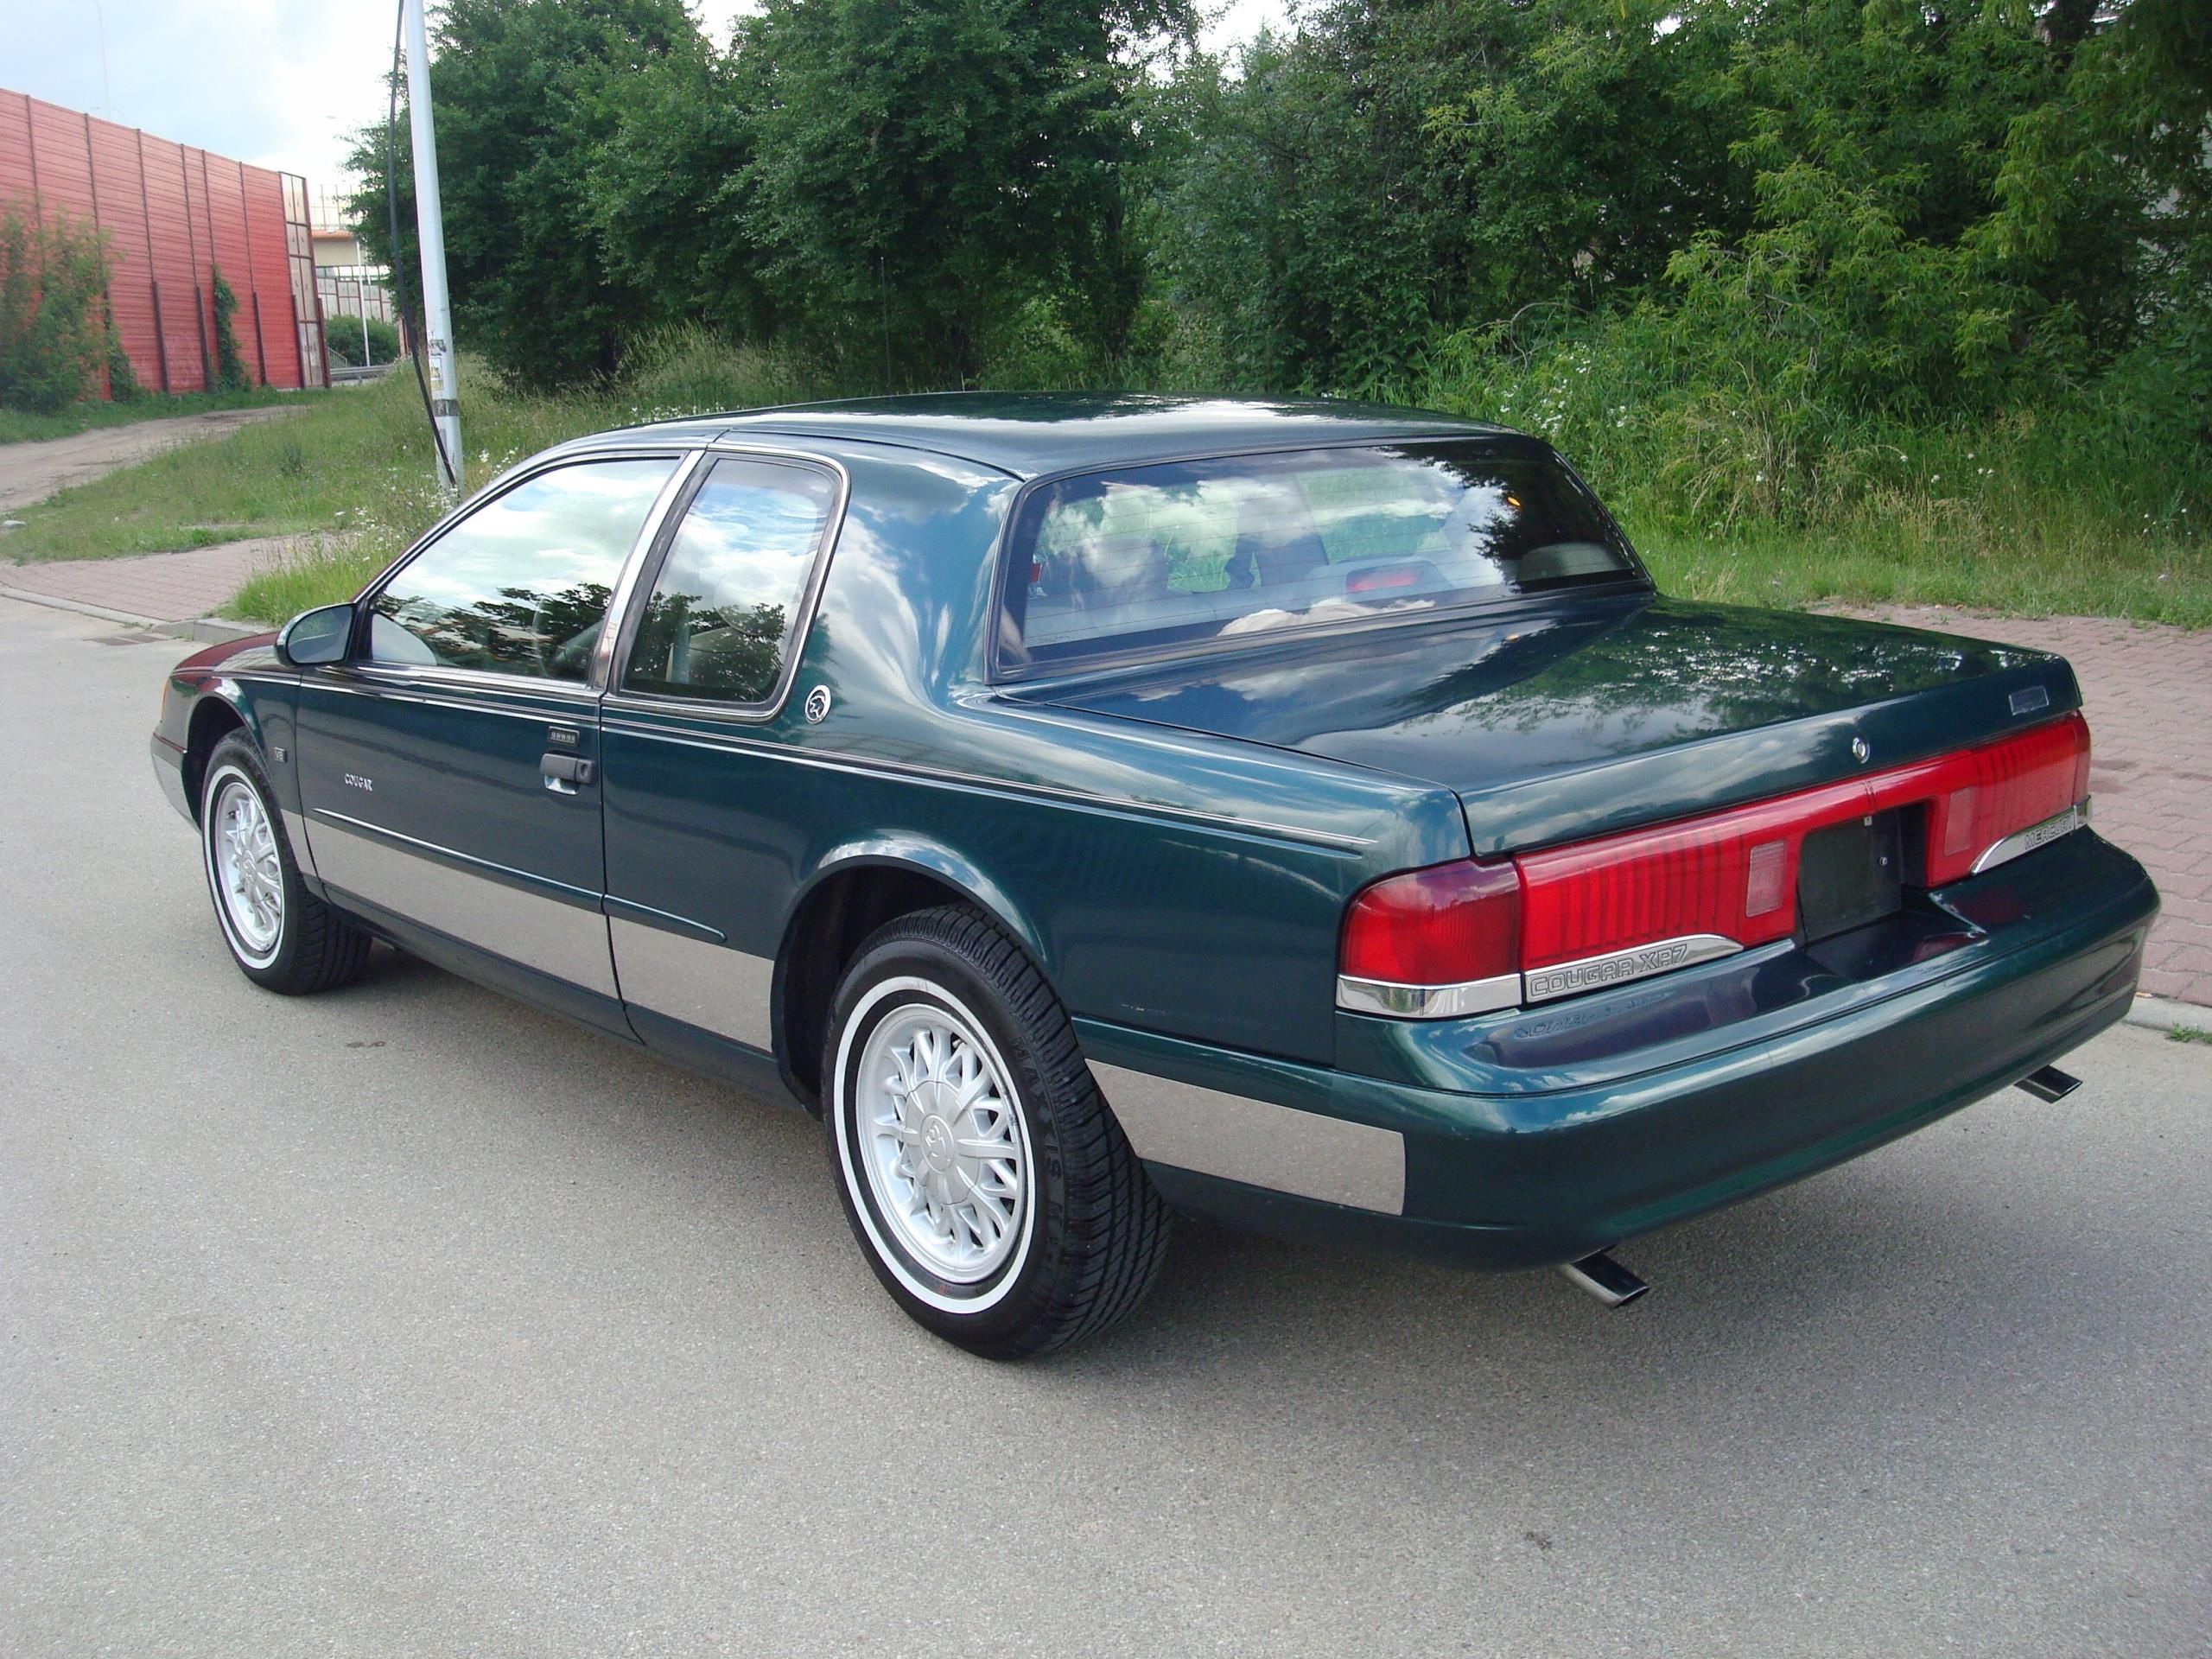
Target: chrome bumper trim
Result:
[[1427, 1001], [1615, 967], [2076, 817]]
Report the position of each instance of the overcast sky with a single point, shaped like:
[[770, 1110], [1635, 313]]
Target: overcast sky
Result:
[[278, 83]]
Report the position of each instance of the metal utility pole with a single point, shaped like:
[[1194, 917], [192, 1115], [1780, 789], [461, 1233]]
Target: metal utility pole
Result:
[[430, 225]]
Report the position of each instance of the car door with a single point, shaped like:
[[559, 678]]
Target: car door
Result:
[[449, 774], [701, 861]]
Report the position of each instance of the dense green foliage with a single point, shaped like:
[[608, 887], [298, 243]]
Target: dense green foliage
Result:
[[54, 337], [231, 374], [361, 343], [1936, 277]]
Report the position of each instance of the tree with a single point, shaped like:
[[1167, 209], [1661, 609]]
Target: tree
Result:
[[526, 92], [922, 169], [53, 273], [1396, 171]]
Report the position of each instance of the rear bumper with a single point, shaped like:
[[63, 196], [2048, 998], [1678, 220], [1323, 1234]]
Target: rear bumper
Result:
[[1521, 1148]]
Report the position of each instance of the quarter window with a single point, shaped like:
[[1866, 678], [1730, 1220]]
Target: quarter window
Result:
[[720, 622], [521, 586]]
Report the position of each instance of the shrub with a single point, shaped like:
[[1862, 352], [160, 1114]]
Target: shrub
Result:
[[51, 345], [346, 343], [688, 369]]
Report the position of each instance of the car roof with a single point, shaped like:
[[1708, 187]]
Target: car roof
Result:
[[1026, 434]]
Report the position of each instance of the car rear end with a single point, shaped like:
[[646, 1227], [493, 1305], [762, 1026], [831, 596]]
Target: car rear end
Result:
[[1744, 894], [1686, 1013]]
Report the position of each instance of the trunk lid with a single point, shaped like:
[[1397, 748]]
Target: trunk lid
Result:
[[1567, 722]]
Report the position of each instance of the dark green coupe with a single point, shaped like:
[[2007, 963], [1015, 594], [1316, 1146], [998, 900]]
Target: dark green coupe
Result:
[[1302, 814]]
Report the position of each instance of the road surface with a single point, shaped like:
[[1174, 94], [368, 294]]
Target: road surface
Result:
[[405, 1321]]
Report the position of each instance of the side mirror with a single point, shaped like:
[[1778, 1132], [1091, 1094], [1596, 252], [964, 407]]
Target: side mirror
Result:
[[312, 637]]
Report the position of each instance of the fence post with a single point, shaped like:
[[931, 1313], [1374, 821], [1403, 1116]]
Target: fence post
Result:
[[161, 338]]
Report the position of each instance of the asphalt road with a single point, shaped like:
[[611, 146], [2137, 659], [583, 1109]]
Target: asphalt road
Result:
[[405, 1321]]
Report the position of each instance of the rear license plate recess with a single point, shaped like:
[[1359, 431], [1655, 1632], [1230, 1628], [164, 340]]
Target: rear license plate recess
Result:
[[1849, 874]]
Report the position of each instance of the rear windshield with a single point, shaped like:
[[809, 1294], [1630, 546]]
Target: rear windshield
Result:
[[1159, 557]]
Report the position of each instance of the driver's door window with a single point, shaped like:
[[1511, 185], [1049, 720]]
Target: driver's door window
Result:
[[521, 586]]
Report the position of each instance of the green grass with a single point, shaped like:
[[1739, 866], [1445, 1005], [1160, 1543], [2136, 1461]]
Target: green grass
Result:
[[1908, 560], [353, 469], [351, 474], [17, 426], [2189, 1034]]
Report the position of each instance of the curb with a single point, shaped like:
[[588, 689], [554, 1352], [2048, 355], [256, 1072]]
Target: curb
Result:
[[2162, 1013], [207, 630]]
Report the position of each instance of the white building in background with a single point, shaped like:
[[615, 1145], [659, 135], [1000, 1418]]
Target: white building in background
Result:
[[345, 282]]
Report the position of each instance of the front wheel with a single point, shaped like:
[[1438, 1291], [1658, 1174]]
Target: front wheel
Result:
[[992, 1191], [283, 938]]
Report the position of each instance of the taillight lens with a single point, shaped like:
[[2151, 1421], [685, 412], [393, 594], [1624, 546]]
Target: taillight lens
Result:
[[1444, 926], [1699, 887], [1982, 795]]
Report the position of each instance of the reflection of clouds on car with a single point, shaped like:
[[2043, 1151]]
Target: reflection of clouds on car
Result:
[[1253, 543]]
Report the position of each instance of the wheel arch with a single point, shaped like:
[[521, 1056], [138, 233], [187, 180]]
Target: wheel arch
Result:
[[216, 713], [853, 892]]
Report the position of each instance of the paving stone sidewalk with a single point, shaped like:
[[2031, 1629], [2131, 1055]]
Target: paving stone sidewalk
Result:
[[2148, 691], [156, 588]]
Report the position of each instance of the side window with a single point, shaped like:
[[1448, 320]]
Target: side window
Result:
[[521, 585], [718, 623]]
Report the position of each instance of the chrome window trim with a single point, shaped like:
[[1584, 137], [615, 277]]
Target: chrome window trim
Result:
[[1428, 1001], [641, 551], [744, 713], [2036, 836], [400, 691], [1618, 967], [845, 761], [400, 675]]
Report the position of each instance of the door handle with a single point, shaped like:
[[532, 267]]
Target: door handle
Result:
[[564, 771]]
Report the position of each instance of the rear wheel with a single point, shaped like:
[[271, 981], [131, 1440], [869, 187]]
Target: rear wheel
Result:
[[283, 938], [991, 1190]]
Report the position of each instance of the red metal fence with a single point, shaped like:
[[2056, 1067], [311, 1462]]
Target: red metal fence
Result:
[[174, 217]]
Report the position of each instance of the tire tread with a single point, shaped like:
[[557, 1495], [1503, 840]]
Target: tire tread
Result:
[[1118, 1226]]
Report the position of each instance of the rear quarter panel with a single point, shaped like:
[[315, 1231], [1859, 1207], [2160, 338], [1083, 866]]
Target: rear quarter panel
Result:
[[1170, 881]]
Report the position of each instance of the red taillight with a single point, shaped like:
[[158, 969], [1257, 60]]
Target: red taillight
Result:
[[1980, 796], [1445, 925], [1699, 887]]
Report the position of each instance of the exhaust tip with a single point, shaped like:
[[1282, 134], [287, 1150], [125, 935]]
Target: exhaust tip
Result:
[[1605, 1279], [2050, 1083]]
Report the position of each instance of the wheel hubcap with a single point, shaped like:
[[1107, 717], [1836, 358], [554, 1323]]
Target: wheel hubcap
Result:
[[249, 878], [942, 1141]]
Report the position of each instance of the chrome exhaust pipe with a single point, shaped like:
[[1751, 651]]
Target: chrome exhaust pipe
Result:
[[1605, 1279], [2050, 1083]]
